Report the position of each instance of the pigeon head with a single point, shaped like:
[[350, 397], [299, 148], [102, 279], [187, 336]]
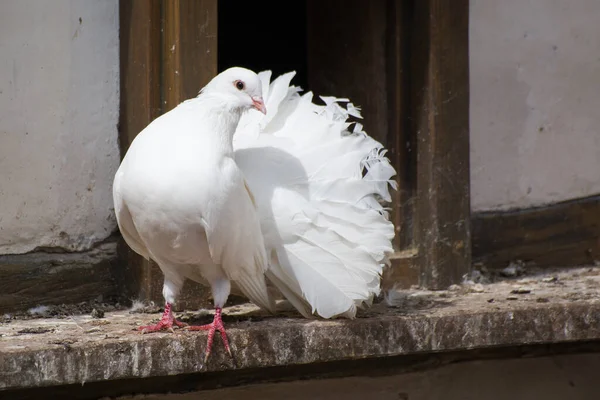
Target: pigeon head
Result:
[[240, 87]]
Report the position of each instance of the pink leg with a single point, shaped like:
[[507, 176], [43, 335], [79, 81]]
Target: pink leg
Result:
[[216, 325], [166, 322]]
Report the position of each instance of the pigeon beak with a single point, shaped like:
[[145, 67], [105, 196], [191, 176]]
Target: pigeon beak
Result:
[[259, 104]]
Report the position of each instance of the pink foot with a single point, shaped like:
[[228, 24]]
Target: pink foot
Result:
[[166, 322], [216, 325]]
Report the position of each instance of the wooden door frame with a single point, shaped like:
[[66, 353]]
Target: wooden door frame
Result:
[[169, 51]]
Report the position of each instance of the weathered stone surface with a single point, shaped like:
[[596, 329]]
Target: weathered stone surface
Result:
[[84, 349]]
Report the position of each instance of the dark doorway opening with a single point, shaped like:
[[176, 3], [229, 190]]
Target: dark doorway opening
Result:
[[264, 35]]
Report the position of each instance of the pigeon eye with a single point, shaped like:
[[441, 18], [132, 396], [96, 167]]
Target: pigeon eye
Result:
[[239, 85]]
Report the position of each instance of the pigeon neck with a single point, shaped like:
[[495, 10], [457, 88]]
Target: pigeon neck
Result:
[[222, 121]]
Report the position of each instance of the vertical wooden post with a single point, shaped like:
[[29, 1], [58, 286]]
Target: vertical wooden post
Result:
[[140, 104], [140, 67], [189, 48], [401, 141], [440, 117], [168, 52]]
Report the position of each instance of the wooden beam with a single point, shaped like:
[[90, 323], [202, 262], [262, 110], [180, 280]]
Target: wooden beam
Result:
[[168, 52], [45, 278], [400, 140], [140, 67], [556, 235], [140, 39], [440, 120], [189, 48]]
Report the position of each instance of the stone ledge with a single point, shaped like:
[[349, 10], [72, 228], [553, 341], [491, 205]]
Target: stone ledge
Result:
[[558, 309]]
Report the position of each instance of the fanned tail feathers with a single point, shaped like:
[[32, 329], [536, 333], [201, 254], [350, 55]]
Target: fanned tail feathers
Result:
[[329, 249]]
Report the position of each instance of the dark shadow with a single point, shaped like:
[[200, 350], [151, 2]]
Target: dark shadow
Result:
[[265, 35]]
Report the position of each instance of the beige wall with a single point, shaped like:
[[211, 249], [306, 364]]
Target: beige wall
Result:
[[59, 97], [535, 101]]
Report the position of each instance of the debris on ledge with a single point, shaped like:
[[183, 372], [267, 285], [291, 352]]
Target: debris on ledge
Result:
[[550, 307]]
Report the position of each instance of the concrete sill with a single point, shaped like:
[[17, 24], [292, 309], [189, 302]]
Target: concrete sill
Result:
[[554, 307]]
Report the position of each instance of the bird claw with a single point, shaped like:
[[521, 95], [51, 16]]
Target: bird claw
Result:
[[212, 328], [167, 322]]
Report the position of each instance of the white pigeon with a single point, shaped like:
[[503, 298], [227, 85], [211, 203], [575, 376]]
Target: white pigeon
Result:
[[227, 197]]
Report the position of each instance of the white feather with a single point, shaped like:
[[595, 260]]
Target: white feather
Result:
[[318, 187]]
